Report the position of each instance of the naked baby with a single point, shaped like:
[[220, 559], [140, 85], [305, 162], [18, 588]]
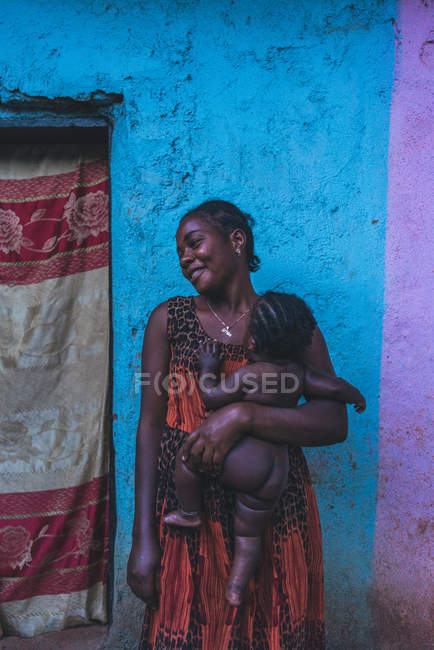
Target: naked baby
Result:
[[280, 329]]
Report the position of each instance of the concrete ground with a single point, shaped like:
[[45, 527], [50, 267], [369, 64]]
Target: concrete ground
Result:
[[90, 637]]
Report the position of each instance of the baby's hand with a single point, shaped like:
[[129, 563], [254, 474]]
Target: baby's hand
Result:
[[209, 356], [360, 405]]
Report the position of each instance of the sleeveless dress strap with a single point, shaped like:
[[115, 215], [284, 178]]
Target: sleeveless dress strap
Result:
[[177, 315]]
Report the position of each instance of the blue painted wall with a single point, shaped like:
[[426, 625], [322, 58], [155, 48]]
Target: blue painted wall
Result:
[[282, 108]]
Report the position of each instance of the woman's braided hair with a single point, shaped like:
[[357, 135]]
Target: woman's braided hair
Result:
[[282, 325], [227, 217]]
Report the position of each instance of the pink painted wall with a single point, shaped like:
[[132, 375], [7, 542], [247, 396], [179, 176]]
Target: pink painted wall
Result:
[[402, 599]]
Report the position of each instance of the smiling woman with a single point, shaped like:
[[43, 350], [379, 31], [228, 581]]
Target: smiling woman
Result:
[[182, 575]]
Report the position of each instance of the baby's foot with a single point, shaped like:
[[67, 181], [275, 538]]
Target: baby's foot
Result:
[[247, 552], [183, 519]]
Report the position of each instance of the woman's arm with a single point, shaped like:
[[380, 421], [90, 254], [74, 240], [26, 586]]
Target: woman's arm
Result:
[[315, 423], [144, 561]]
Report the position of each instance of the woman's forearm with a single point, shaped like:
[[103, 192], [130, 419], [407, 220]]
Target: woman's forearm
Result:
[[315, 423], [146, 478]]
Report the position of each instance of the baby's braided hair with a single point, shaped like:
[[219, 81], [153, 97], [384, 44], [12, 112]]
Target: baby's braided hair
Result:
[[282, 325]]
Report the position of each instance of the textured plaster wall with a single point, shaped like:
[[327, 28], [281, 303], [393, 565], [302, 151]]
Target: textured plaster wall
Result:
[[283, 108], [403, 598]]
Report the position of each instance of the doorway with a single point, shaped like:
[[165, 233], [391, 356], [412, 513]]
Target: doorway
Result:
[[55, 370]]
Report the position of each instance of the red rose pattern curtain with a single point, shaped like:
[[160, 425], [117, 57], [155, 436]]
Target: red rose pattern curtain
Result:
[[54, 370]]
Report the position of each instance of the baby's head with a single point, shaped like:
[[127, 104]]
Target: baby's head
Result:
[[281, 326]]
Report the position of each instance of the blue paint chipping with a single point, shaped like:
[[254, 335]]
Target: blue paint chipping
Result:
[[282, 108]]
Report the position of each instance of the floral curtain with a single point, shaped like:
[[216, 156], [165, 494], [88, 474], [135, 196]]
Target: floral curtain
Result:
[[54, 371]]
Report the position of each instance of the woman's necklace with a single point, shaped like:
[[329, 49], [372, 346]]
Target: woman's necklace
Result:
[[226, 329]]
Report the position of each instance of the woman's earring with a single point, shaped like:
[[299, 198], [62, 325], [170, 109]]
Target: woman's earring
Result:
[[238, 252]]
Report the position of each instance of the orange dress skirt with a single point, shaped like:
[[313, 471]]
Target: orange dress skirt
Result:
[[283, 605]]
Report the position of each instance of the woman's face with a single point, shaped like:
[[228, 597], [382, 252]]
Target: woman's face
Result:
[[206, 256]]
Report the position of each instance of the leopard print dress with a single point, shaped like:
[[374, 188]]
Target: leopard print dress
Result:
[[283, 604]]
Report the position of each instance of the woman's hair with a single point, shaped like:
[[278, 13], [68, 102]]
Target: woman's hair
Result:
[[227, 217], [282, 325]]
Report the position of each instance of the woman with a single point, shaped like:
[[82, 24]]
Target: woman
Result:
[[182, 575]]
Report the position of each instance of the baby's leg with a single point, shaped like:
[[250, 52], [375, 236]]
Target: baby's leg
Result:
[[189, 493], [258, 471]]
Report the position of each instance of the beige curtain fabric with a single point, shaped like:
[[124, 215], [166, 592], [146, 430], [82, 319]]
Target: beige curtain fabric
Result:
[[54, 372]]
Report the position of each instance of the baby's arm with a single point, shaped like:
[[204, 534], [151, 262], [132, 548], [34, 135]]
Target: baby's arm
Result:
[[215, 390], [320, 384]]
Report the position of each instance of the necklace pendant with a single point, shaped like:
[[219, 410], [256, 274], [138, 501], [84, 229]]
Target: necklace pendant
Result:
[[226, 331]]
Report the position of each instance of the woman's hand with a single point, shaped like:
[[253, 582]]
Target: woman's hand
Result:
[[143, 571], [207, 447]]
